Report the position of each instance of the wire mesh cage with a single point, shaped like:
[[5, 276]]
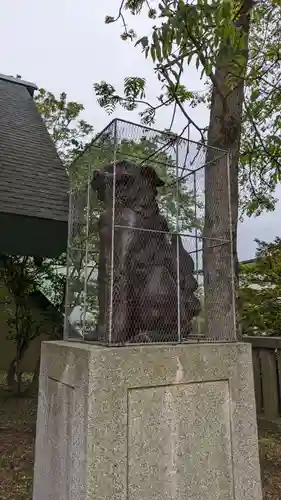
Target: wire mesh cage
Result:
[[150, 253]]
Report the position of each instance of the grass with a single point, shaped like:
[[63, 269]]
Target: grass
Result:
[[17, 437]]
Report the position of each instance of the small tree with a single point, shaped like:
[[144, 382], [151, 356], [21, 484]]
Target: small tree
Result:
[[23, 328], [22, 276]]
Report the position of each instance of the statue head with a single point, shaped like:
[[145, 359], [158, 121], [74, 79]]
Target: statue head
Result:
[[129, 178]]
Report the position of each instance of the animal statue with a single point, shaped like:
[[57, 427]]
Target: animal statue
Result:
[[150, 300]]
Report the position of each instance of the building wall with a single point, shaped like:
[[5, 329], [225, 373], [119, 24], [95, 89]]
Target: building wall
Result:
[[7, 346]]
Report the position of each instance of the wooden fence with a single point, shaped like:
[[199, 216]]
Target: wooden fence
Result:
[[267, 376]]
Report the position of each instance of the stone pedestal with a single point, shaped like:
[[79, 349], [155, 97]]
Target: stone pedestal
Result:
[[146, 423]]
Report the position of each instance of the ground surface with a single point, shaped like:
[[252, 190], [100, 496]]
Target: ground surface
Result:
[[17, 434]]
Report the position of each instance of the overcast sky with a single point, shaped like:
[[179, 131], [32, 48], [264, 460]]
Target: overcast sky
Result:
[[64, 45]]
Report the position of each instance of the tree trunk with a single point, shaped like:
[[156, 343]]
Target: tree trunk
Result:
[[32, 389], [220, 230], [13, 375]]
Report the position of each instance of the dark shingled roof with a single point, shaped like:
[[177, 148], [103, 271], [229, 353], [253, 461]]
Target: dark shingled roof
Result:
[[33, 181]]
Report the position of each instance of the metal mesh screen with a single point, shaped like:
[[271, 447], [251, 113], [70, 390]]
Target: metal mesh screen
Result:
[[150, 256]]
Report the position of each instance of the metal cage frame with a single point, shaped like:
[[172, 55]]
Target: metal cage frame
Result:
[[115, 131]]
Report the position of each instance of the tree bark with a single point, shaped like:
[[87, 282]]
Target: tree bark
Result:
[[13, 376], [11, 379], [220, 260], [32, 389]]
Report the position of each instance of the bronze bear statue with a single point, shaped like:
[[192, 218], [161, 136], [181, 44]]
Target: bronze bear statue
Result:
[[146, 301]]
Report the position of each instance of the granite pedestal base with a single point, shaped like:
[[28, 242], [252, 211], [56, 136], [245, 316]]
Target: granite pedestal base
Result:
[[152, 422]]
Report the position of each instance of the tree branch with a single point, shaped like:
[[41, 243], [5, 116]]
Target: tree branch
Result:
[[180, 105]]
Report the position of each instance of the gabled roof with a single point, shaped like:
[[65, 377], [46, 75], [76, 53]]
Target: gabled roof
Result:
[[33, 181], [31, 87]]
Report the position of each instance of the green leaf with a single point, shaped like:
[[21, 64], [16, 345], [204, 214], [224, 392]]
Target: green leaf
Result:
[[152, 13], [157, 46], [143, 41]]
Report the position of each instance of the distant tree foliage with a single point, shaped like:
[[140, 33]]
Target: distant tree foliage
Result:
[[260, 291], [70, 133]]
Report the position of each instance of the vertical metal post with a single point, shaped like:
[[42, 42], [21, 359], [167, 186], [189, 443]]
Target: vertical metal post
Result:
[[196, 228], [86, 250], [196, 239], [232, 266], [178, 242], [112, 237], [68, 250]]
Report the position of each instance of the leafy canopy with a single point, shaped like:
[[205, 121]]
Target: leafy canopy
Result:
[[207, 34], [69, 132]]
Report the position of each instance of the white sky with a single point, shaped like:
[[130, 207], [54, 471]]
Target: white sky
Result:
[[64, 45]]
